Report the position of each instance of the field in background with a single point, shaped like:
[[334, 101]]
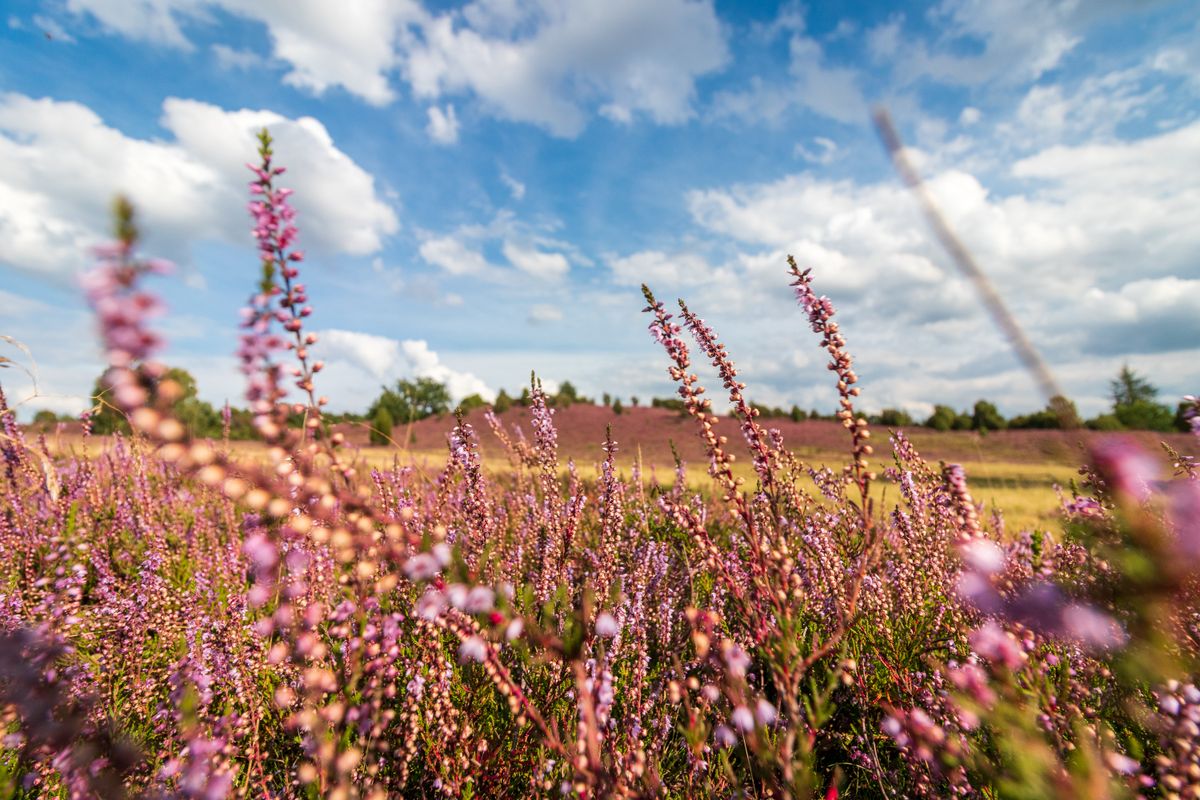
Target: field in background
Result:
[[1013, 471]]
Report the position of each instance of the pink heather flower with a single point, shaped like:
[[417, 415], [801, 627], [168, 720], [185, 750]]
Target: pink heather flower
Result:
[[765, 713], [893, 728], [1184, 513], [514, 629], [1123, 764], [724, 736], [982, 555], [473, 648], [480, 600], [1094, 629], [606, 625], [737, 661], [422, 567], [997, 645], [431, 605], [742, 719], [1126, 468]]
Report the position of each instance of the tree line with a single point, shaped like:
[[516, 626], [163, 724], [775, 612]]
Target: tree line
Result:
[[1135, 406]]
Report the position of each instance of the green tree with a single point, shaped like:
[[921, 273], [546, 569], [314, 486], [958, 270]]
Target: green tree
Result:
[[617, 407], [566, 395], [381, 426], [894, 418], [798, 414], [502, 403], [1134, 403], [45, 419], [986, 417], [1129, 388], [197, 416], [413, 400], [1058, 413], [470, 403], [942, 418]]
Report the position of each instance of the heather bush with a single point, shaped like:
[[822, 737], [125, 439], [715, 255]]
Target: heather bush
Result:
[[179, 623]]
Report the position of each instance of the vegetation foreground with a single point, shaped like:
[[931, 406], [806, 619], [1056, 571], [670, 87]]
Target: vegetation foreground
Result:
[[176, 621]]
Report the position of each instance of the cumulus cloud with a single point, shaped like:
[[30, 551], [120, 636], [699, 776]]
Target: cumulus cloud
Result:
[[812, 83], [443, 125], [386, 360], [454, 256], [527, 247], [628, 57], [656, 268], [312, 37], [543, 313], [60, 166], [1088, 274], [548, 63], [515, 187], [535, 262]]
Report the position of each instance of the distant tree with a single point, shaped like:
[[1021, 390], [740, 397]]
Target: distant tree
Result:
[[502, 402], [526, 397], [814, 414], [197, 416], [414, 400], [607, 398], [1144, 415], [633, 401], [566, 395], [1059, 412], [798, 414], [942, 418], [672, 403], [1134, 403], [1129, 388], [1183, 417], [617, 407], [45, 419], [986, 417], [470, 403], [106, 419], [894, 418], [381, 426], [1105, 422]]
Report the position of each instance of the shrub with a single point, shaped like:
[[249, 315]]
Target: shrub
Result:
[[381, 426]]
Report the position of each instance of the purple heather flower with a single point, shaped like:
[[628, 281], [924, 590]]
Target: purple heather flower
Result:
[[742, 719], [606, 625]]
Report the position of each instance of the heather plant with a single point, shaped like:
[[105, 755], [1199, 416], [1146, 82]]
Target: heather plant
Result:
[[175, 622]]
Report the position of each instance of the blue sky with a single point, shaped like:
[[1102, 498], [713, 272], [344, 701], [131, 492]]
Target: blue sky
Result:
[[483, 186]]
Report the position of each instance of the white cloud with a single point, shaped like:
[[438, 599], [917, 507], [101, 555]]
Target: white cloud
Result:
[[515, 187], [659, 269], [543, 313], [1094, 248], [824, 150], [628, 56], [60, 166], [233, 59], [534, 262], [386, 360], [52, 29], [443, 125], [812, 83], [546, 63], [312, 36], [452, 255]]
